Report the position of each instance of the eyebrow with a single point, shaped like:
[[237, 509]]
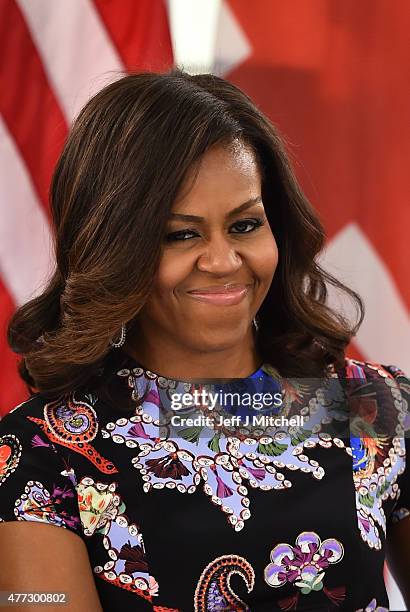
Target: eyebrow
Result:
[[229, 215]]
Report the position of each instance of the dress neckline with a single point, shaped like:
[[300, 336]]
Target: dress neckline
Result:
[[122, 380]]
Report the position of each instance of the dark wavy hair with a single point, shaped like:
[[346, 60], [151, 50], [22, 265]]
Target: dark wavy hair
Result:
[[120, 171]]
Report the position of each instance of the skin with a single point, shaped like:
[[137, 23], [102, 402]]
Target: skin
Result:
[[398, 556], [181, 337], [47, 559]]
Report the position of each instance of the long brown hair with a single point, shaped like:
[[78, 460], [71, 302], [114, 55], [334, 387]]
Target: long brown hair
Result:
[[120, 171]]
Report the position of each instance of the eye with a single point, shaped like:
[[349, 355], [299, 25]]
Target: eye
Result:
[[186, 234], [174, 236], [254, 223]]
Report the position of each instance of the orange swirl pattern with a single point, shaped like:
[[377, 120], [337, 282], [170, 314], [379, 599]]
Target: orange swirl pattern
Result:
[[83, 448], [214, 584]]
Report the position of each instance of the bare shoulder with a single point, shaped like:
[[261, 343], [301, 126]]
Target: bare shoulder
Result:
[[47, 558]]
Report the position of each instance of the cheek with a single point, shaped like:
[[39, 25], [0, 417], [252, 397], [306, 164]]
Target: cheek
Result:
[[265, 259], [171, 273]]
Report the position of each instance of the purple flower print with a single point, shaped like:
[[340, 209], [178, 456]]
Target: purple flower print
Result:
[[61, 492], [38, 441], [138, 431], [257, 473], [72, 521], [222, 489], [153, 397], [363, 521], [37, 504], [304, 564], [373, 607]]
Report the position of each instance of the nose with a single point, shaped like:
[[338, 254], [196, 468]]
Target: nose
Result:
[[219, 257]]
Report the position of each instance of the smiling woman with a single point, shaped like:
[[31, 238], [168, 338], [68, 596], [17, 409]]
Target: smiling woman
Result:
[[214, 273], [144, 149], [186, 263]]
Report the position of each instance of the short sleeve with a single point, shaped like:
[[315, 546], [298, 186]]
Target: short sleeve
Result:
[[401, 509], [35, 484]]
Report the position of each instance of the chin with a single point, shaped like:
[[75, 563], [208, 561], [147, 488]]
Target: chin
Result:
[[215, 338]]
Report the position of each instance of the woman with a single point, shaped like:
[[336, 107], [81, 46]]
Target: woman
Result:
[[185, 262]]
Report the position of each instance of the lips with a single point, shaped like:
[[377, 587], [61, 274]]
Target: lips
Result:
[[220, 295], [219, 289]]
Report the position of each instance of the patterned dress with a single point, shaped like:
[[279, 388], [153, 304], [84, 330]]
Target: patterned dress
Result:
[[188, 504]]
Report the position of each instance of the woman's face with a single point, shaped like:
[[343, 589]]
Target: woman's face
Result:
[[218, 245]]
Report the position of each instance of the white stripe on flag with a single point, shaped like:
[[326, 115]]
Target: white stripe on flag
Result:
[[385, 331], [232, 46], [25, 241], [75, 48]]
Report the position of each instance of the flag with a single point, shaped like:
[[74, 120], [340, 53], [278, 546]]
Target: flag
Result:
[[332, 76], [54, 56]]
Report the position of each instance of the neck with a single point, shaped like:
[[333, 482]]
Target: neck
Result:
[[179, 362]]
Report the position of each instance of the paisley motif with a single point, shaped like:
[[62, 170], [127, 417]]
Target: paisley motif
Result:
[[71, 421], [213, 591], [10, 452], [74, 424]]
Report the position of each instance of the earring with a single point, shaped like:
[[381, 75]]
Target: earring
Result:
[[121, 340], [255, 323]]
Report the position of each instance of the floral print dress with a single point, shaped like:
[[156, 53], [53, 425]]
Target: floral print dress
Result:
[[213, 514]]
